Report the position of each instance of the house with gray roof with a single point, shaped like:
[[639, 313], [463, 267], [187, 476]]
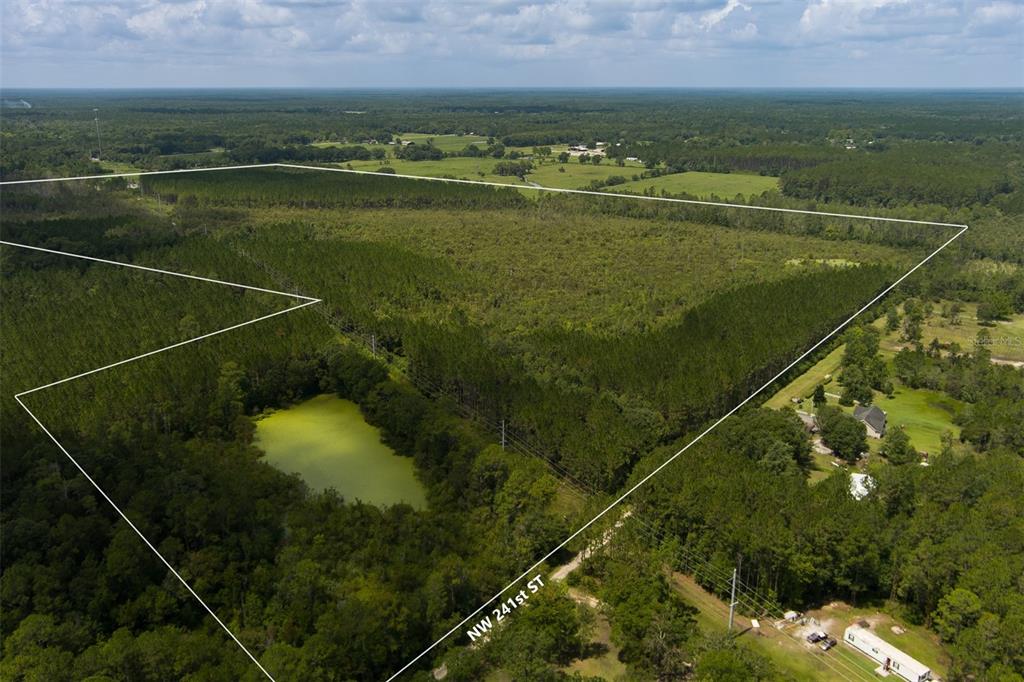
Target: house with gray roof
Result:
[[873, 417]]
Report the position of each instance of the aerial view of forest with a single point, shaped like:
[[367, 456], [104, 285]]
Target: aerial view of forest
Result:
[[450, 378], [511, 341]]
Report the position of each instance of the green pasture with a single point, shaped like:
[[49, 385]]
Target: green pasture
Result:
[[723, 185], [571, 175], [446, 143]]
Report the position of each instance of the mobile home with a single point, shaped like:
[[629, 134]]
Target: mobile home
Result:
[[892, 660]]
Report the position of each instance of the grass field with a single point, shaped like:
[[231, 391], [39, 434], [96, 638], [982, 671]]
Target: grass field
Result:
[[1007, 336], [923, 413], [803, 385], [577, 175], [723, 185], [572, 175], [446, 143]]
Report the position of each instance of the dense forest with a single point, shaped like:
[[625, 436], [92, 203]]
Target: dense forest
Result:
[[601, 334]]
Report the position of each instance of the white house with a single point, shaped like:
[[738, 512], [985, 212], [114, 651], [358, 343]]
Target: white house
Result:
[[891, 660]]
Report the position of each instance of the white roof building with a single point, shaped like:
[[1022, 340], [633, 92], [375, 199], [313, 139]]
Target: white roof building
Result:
[[892, 660]]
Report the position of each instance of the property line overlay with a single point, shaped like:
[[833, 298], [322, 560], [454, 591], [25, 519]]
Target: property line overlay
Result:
[[961, 229], [306, 301], [558, 190], [686, 447]]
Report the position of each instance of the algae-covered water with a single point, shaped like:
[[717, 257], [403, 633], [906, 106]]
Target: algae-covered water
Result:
[[327, 441]]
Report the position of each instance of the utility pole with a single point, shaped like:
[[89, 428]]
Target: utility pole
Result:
[[373, 344], [99, 147], [502, 434], [732, 599]]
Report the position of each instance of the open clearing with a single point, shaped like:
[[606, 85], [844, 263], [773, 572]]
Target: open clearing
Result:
[[703, 185], [1007, 335], [915, 640], [572, 175], [791, 656]]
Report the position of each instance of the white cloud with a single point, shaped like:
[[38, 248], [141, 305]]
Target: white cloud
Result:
[[841, 16], [711, 19], [575, 36], [999, 12]]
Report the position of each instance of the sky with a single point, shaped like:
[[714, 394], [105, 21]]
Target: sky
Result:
[[512, 43]]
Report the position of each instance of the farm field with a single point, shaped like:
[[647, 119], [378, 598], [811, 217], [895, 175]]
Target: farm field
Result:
[[446, 143], [701, 184]]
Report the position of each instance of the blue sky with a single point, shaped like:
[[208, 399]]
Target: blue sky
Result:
[[357, 43]]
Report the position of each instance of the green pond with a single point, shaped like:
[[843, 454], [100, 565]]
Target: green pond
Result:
[[327, 441]]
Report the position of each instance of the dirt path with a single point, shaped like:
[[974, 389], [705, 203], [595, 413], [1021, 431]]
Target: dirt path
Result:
[[563, 571]]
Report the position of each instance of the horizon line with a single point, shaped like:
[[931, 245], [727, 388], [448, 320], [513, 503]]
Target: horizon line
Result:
[[500, 88]]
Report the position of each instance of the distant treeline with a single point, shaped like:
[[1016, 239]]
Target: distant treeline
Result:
[[257, 152], [273, 186], [56, 135]]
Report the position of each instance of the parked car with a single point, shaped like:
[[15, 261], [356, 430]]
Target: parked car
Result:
[[827, 643], [815, 637]]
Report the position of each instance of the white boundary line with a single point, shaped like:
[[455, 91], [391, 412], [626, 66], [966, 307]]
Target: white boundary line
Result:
[[486, 183], [307, 302], [684, 449], [962, 228]]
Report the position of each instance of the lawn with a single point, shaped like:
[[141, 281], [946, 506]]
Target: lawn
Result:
[[803, 385], [704, 185], [923, 413]]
